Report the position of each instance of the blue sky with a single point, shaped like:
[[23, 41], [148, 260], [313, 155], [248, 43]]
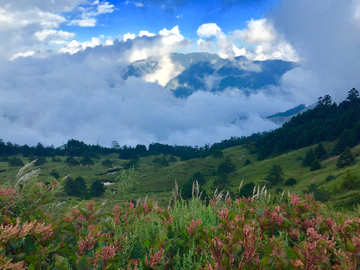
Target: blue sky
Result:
[[61, 66], [132, 16]]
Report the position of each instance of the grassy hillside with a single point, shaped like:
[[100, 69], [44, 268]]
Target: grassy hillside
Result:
[[157, 182]]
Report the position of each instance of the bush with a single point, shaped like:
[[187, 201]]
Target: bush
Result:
[[351, 181], [247, 190], [55, 174], [217, 153], [54, 159], [330, 178], [107, 163], [247, 162], [290, 182], [72, 161], [40, 161], [319, 194], [226, 167], [161, 161], [345, 159], [97, 188], [15, 162], [275, 175], [309, 158], [316, 165], [172, 159]]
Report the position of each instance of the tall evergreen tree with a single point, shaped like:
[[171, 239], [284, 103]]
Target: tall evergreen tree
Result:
[[275, 175], [309, 158], [320, 152], [345, 159], [353, 96]]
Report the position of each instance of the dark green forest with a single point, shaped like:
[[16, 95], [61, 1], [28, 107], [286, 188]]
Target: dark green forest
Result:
[[326, 122]]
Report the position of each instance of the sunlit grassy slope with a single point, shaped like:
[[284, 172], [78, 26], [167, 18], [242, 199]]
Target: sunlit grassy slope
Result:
[[158, 181]]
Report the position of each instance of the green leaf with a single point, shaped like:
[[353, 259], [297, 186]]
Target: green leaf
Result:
[[162, 236], [30, 259], [146, 243], [268, 249], [264, 260], [31, 267], [84, 264], [139, 209], [32, 218], [350, 246], [291, 254]]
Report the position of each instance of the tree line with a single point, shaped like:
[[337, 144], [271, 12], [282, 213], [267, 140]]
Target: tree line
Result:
[[326, 122], [75, 148]]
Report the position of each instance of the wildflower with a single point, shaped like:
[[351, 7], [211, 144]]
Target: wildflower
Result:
[[155, 259], [192, 227]]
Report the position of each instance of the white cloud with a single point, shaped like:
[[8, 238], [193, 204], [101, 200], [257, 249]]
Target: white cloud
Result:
[[88, 14], [19, 19], [129, 36], [53, 34], [106, 7], [136, 4], [75, 46], [208, 30], [261, 32], [89, 22], [146, 33], [26, 54], [258, 31]]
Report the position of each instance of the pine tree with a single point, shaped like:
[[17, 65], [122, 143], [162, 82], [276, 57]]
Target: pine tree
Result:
[[97, 188], [320, 152], [316, 165], [309, 158], [345, 159], [275, 175]]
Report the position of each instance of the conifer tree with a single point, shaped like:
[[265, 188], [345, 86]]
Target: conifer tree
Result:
[[345, 159]]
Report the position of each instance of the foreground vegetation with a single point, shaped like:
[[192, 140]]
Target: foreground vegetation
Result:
[[258, 232]]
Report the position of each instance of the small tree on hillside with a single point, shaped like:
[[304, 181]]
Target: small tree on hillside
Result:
[[345, 159], [320, 152], [247, 190], [107, 163], [97, 189], [316, 165], [275, 175], [309, 158]]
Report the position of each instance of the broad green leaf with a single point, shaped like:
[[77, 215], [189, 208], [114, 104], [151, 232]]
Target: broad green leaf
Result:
[[146, 243]]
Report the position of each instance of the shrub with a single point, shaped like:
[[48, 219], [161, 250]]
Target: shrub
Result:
[[97, 188], [345, 159], [217, 153], [247, 190], [309, 158], [15, 162], [247, 162], [226, 167], [161, 161], [290, 182], [330, 178], [316, 165], [107, 163], [172, 159], [351, 181], [319, 194], [40, 161], [72, 161], [275, 175], [55, 174], [54, 159]]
